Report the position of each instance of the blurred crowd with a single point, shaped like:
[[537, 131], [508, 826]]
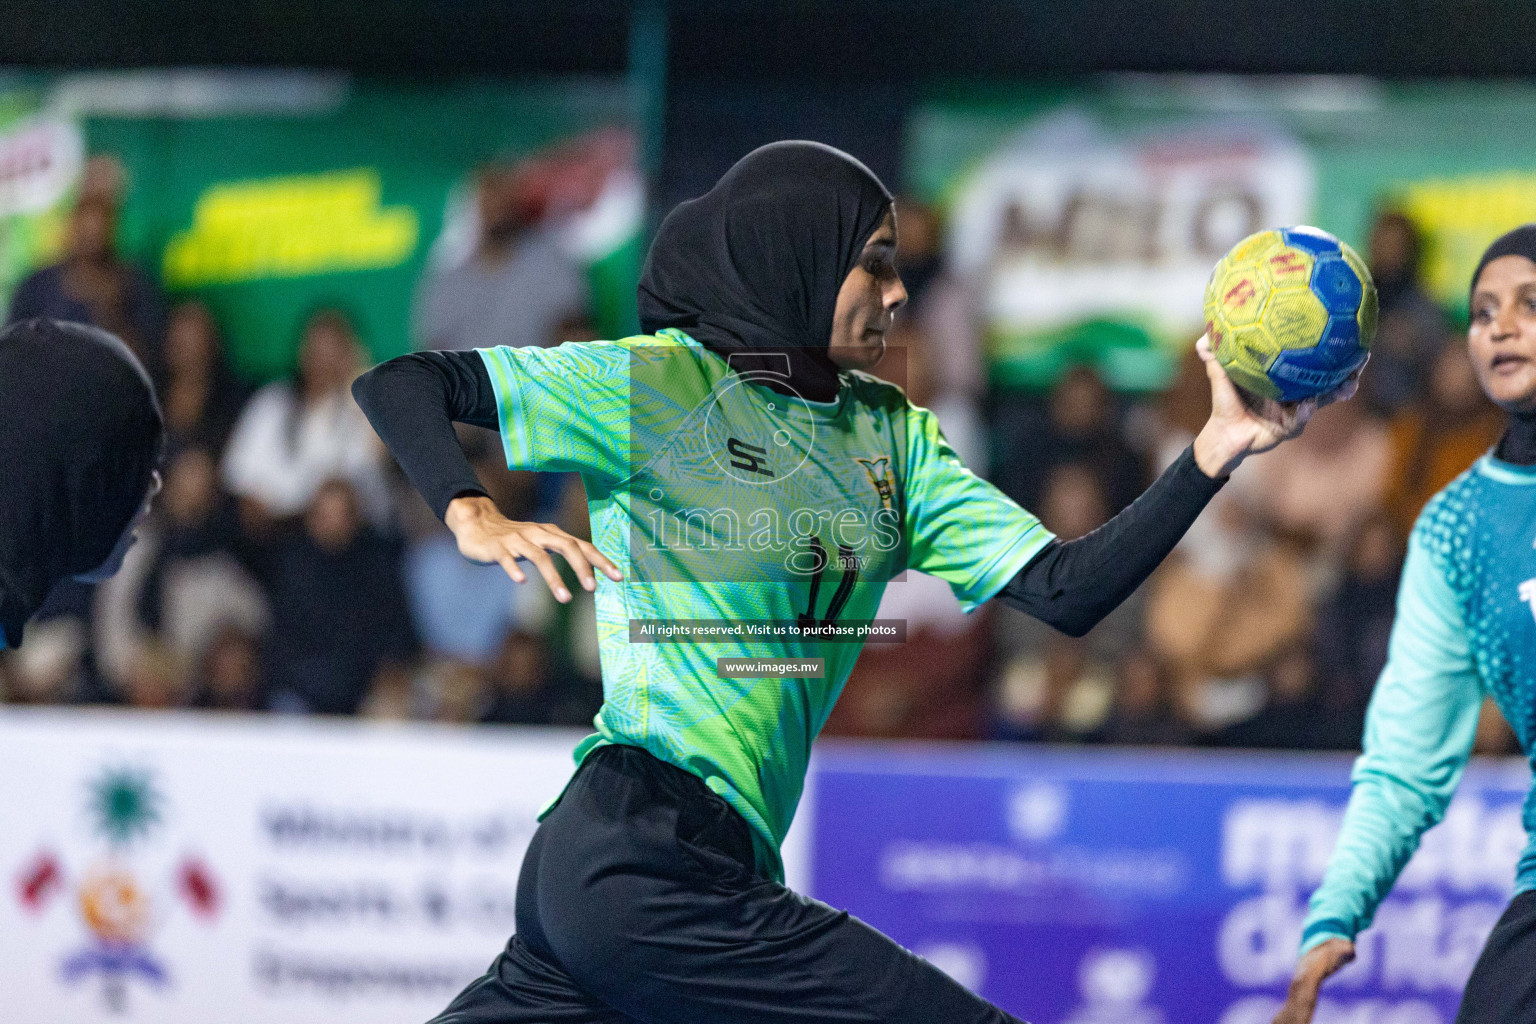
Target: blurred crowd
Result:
[[289, 568]]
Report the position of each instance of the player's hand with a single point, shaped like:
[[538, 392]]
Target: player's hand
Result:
[[1319, 963], [1243, 425], [485, 535]]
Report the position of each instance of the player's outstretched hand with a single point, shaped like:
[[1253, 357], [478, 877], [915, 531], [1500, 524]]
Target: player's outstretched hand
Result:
[[1319, 963], [1242, 425], [485, 535]]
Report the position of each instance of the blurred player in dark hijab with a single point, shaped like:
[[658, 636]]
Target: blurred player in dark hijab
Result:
[[80, 442]]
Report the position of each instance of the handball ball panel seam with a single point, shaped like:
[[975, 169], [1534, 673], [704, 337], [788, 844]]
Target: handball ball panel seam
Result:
[[1290, 313]]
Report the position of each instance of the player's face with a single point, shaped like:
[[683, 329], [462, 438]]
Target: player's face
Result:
[[867, 302], [1502, 335]]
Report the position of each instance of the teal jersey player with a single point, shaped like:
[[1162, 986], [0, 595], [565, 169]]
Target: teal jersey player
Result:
[[743, 472], [734, 503], [1465, 630]]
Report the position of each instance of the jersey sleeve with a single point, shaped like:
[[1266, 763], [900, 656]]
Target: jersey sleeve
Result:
[[564, 409], [1418, 737], [961, 528]]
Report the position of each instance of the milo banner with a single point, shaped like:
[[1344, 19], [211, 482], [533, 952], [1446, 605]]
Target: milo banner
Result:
[[1075, 887], [1086, 220], [268, 194]]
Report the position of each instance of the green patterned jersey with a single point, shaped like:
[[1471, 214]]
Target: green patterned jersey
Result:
[[726, 502]]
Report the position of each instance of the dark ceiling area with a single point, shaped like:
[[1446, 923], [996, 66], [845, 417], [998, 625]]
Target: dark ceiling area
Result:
[[830, 40]]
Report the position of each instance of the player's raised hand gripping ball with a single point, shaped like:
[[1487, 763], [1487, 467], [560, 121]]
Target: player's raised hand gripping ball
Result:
[[1290, 313]]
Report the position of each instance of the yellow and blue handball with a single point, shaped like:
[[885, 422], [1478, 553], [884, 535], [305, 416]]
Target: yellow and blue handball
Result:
[[1290, 313]]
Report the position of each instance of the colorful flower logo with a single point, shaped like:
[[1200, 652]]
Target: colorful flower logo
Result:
[[118, 910]]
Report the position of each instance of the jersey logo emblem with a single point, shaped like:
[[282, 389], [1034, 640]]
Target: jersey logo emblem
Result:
[[1528, 594], [748, 457], [879, 471]]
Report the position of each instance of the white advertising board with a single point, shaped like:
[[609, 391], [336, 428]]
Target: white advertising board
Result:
[[206, 870]]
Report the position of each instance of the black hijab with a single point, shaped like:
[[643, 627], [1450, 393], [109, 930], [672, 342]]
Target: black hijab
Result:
[[755, 264], [80, 435]]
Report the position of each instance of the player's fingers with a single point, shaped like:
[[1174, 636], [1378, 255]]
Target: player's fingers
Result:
[[1224, 397], [546, 566], [1213, 369], [1302, 413], [570, 547], [1344, 392], [508, 561], [601, 560]]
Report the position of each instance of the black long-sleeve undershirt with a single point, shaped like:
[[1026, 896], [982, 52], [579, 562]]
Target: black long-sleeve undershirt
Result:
[[413, 401], [1073, 584]]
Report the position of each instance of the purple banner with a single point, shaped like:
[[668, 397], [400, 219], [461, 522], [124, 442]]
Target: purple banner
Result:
[[1095, 887]]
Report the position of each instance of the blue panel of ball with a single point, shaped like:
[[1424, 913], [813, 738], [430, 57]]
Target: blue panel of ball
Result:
[[1336, 283], [1304, 372], [1341, 340], [1311, 240]]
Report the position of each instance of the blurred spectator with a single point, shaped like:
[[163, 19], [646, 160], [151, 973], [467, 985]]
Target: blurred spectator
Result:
[[199, 395], [94, 285], [181, 584], [1217, 626], [1411, 329], [461, 609], [1354, 624], [516, 288], [1054, 687], [523, 691], [155, 680], [1434, 441], [1073, 504], [1079, 422], [392, 697], [1144, 713], [49, 668], [1317, 489], [294, 435], [459, 692], [1063, 695], [228, 675], [1293, 716], [339, 610]]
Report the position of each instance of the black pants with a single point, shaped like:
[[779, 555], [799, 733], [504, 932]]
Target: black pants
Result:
[[638, 901], [1502, 988]]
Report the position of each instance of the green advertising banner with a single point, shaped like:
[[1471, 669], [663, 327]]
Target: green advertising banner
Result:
[[1087, 218], [267, 194]]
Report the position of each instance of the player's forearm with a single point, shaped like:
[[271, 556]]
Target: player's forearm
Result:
[[1418, 736], [1072, 585], [1382, 826], [413, 402]]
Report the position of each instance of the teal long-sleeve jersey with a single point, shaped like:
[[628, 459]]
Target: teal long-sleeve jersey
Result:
[[1465, 630]]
